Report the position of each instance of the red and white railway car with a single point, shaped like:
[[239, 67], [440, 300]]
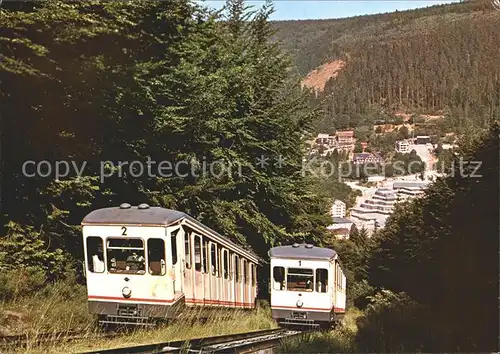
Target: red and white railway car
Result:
[[308, 286], [143, 261]]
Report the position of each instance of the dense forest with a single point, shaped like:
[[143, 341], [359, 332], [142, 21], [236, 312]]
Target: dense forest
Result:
[[439, 60]]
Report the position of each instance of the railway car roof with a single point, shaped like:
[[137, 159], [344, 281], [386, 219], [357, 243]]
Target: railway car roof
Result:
[[302, 251], [134, 215], [145, 216]]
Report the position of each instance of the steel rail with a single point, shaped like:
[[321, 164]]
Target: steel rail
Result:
[[39, 338], [233, 343]]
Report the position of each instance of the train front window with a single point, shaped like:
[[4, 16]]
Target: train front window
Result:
[[126, 256], [95, 254], [173, 246], [279, 278], [300, 279], [156, 256], [321, 280]]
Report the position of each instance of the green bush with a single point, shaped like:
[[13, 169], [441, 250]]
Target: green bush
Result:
[[393, 322], [24, 249], [16, 283], [358, 293]]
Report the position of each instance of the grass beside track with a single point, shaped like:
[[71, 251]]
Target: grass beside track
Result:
[[219, 322], [339, 340], [61, 307]]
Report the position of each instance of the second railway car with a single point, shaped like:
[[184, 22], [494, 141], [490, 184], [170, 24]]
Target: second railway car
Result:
[[143, 261], [308, 286]]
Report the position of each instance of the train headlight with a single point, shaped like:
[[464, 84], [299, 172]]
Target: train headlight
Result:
[[126, 292], [299, 303]]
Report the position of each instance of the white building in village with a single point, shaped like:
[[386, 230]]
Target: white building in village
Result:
[[341, 227], [373, 212], [338, 209], [409, 189], [403, 146]]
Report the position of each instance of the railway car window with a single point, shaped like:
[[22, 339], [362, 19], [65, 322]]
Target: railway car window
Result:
[[245, 271], [300, 279], [213, 259], [231, 271], [173, 246], [279, 278], [205, 256], [197, 254], [321, 280], [95, 254], [219, 262], [187, 248], [225, 263], [156, 256], [126, 256], [237, 268]]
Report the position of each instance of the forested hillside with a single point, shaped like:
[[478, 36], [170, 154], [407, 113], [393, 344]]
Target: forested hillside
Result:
[[443, 60]]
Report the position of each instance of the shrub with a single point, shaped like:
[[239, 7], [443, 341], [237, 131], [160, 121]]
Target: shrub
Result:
[[23, 248], [16, 283], [393, 322]]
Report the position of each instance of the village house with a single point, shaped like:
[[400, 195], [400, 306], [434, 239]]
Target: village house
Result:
[[345, 138], [341, 228], [338, 209], [422, 140], [364, 158], [325, 139], [403, 146]]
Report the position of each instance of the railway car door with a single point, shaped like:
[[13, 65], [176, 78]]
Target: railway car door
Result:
[[332, 284], [214, 273], [225, 276], [246, 294], [337, 285], [173, 236], [181, 261], [232, 280], [188, 268], [237, 281], [206, 274], [199, 289], [253, 285]]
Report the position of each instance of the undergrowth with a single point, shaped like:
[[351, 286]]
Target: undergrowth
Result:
[[338, 340]]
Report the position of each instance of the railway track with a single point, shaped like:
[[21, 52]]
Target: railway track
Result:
[[23, 340], [235, 343]]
